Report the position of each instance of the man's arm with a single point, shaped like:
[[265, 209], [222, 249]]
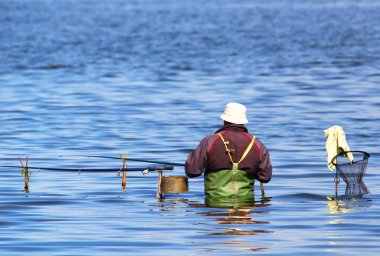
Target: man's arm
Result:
[[265, 168], [197, 160]]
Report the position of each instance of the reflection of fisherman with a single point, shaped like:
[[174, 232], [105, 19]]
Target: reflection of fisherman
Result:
[[231, 158]]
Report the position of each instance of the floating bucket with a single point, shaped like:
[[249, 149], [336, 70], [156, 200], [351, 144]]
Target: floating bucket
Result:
[[174, 184]]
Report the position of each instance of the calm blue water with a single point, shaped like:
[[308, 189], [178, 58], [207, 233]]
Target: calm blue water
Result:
[[152, 77]]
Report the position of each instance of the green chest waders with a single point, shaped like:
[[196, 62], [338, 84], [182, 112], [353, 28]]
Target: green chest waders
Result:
[[231, 182]]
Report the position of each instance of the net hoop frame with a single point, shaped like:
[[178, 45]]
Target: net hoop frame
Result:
[[365, 157]]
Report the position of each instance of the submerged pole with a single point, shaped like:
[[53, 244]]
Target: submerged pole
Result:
[[262, 189], [25, 173], [336, 180], [26, 179], [124, 176], [159, 185]]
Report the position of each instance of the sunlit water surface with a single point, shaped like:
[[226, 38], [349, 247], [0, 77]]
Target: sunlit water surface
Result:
[[151, 78]]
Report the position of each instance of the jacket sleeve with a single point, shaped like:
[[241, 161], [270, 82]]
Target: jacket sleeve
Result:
[[264, 174], [197, 160]]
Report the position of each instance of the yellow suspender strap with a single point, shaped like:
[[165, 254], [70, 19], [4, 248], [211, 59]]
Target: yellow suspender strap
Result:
[[248, 149], [245, 152], [225, 145]]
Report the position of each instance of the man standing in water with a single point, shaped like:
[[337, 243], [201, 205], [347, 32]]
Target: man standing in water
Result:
[[231, 158]]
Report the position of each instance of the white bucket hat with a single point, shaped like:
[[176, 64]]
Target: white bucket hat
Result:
[[235, 113]]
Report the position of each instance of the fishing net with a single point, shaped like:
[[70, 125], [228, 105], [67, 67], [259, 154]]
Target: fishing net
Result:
[[353, 172]]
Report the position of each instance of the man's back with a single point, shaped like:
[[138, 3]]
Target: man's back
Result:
[[231, 158]]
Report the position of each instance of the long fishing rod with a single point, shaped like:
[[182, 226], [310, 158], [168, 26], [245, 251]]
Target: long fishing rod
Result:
[[129, 169], [133, 159]]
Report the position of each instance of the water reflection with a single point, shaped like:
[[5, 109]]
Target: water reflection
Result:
[[172, 205], [347, 215], [232, 211], [229, 202], [345, 204]]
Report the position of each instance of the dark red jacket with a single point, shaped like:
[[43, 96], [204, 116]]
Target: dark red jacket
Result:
[[211, 155]]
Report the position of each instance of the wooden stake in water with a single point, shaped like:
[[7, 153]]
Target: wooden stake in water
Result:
[[124, 176], [25, 173], [26, 177], [262, 190], [336, 180], [159, 185]]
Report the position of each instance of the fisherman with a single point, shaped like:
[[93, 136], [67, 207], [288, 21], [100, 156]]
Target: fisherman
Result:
[[231, 158]]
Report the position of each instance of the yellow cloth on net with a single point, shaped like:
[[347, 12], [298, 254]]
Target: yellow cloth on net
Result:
[[336, 141]]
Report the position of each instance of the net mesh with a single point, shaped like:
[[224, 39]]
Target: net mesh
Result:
[[352, 173]]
